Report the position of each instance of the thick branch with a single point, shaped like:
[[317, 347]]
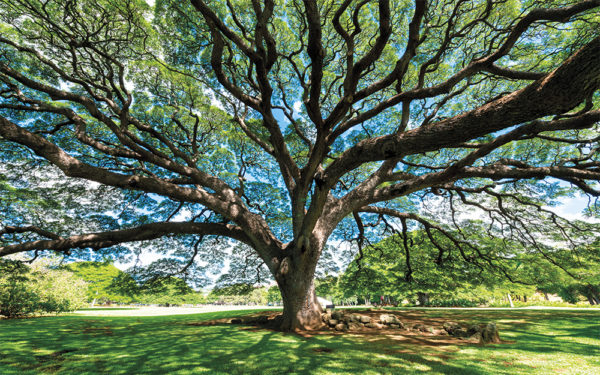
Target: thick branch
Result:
[[116, 237], [556, 93]]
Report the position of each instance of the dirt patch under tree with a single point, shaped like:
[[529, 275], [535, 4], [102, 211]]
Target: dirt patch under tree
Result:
[[406, 326]]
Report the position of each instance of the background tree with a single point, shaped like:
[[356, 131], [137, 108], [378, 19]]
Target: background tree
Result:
[[384, 270], [241, 294], [580, 280], [283, 124], [106, 283], [168, 291], [273, 295], [39, 288]]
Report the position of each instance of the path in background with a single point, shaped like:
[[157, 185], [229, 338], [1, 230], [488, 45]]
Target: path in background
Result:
[[157, 311]]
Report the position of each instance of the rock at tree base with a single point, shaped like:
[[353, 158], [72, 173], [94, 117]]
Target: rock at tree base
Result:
[[490, 334], [451, 327], [389, 319], [481, 333], [365, 319], [341, 327], [420, 327], [333, 322], [354, 318]]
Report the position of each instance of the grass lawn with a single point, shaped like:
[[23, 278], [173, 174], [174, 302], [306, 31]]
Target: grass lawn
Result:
[[541, 342]]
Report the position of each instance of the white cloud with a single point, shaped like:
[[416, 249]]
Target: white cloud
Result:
[[571, 208], [297, 106]]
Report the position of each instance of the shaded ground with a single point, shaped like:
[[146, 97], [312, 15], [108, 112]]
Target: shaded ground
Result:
[[541, 342], [408, 334]]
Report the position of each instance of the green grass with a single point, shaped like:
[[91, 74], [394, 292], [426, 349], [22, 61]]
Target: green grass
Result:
[[542, 342]]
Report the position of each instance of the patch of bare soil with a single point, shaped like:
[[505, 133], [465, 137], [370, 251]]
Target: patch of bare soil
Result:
[[410, 327]]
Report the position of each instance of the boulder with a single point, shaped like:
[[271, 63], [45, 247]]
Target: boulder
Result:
[[354, 325], [460, 332], [340, 327], [355, 318], [394, 326], [325, 317], [333, 322], [389, 319], [489, 334], [450, 327], [365, 319], [371, 325], [481, 333], [383, 318], [474, 329], [337, 315]]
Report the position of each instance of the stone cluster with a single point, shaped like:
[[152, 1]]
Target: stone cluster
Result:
[[340, 320], [483, 333], [343, 321]]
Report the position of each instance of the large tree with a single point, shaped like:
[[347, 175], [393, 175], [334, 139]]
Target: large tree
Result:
[[283, 124]]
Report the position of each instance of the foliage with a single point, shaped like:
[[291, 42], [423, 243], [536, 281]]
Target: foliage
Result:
[[26, 290], [241, 294], [416, 272], [273, 295], [577, 278], [106, 283], [168, 291], [16, 297]]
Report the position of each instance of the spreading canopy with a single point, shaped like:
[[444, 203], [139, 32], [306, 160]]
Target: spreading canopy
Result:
[[278, 124]]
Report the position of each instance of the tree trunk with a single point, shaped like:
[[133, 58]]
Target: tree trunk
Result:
[[423, 298], [301, 310], [591, 300], [295, 278], [592, 295]]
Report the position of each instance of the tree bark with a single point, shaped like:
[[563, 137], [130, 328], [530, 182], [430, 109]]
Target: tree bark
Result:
[[592, 295], [295, 278], [301, 310], [591, 300]]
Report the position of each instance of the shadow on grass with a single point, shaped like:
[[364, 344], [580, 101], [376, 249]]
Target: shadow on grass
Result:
[[134, 345]]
